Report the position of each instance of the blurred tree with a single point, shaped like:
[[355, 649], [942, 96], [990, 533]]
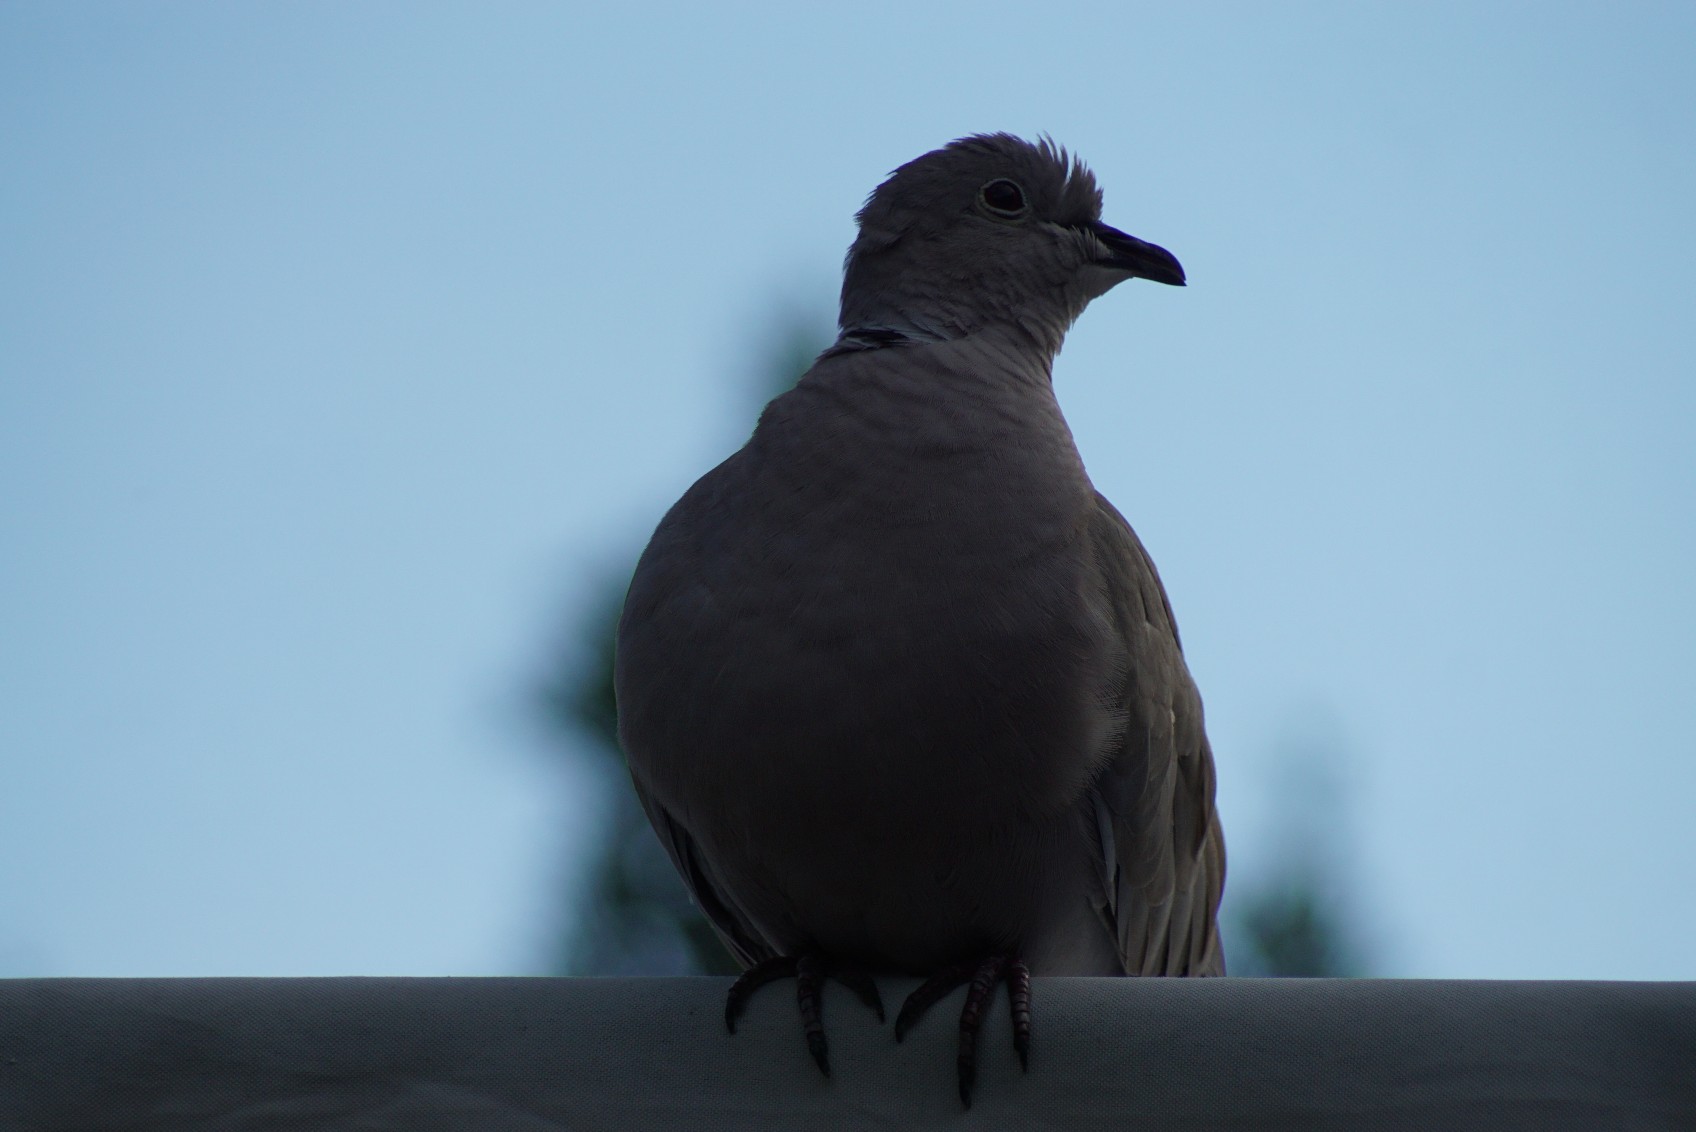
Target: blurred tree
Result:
[[1292, 927], [1295, 915], [636, 918]]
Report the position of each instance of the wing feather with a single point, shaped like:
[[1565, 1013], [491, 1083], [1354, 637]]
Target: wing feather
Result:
[[732, 924], [1166, 853]]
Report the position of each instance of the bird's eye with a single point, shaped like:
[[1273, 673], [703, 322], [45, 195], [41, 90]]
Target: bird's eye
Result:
[[1003, 198]]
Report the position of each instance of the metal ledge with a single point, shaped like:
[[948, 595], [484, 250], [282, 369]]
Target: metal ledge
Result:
[[540, 1055]]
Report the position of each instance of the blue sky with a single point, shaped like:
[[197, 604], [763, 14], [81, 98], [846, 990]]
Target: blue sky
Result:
[[344, 349]]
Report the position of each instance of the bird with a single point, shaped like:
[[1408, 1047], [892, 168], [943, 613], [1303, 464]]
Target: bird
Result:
[[900, 691]]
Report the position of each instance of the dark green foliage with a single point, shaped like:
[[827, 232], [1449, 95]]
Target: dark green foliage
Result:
[[1293, 911], [1291, 929]]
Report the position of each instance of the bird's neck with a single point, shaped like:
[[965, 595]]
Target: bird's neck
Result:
[[974, 415], [1034, 342], [998, 367], [895, 330]]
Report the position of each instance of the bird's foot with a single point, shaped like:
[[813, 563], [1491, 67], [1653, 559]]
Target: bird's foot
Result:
[[809, 970], [982, 977]]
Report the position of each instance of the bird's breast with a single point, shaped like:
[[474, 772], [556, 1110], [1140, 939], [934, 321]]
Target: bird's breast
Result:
[[870, 649], [908, 633]]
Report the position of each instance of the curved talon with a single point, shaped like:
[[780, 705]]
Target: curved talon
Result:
[[1018, 977], [930, 992], [982, 976], [862, 985], [751, 980], [809, 985], [810, 971]]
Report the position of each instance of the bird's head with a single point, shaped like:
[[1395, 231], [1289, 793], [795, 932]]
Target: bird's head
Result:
[[989, 229]]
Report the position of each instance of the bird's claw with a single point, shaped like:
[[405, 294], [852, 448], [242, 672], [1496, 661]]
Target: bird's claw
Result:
[[809, 970], [982, 977]]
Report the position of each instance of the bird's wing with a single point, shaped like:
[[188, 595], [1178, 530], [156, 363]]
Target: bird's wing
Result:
[[1162, 849], [733, 926]]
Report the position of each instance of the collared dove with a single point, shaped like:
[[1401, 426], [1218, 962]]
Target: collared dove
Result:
[[900, 691]]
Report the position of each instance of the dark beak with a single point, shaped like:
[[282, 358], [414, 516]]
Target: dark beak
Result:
[[1138, 257]]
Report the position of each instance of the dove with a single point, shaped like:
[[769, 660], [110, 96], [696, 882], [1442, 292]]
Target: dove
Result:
[[900, 691]]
